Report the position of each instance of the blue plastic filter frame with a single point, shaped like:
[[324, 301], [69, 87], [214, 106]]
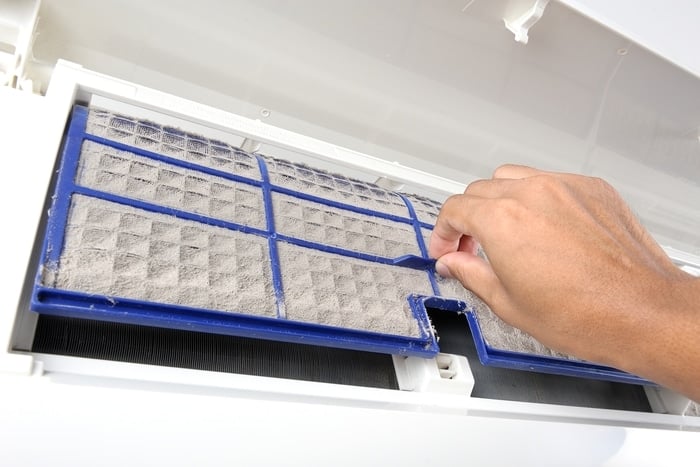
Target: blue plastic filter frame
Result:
[[51, 300]]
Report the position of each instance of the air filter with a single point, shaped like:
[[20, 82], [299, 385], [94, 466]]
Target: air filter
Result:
[[151, 225]]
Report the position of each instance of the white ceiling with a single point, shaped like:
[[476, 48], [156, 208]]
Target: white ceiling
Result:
[[425, 82]]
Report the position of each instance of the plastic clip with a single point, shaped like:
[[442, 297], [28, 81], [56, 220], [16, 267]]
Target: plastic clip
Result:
[[414, 262]]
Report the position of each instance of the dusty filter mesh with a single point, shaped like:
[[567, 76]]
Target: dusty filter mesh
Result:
[[115, 247], [327, 225], [172, 143], [426, 209], [126, 174], [347, 292], [335, 187], [119, 251]]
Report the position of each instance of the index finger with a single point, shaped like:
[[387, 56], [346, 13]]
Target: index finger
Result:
[[456, 219]]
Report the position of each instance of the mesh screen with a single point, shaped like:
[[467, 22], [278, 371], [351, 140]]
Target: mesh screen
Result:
[[127, 174], [172, 142], [120, 251], [335, 187], [426, 209], [157, 252], [327, 225], [330, 289]]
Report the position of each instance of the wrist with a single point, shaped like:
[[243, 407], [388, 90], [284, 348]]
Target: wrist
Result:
[[664, 347]]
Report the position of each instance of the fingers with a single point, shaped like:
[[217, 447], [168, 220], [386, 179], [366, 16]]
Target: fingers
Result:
[[468, 245], [474, 273], [456, 220], [504, 179]]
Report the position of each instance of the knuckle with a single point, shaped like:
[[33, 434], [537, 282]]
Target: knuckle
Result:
[[474, 185], [448, 202], [509, 211], [511, 207], [550, 183], [549, 187], [503, 169], [452, 201], [450, 208]]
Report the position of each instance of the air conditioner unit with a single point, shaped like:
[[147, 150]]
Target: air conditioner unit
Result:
[[217, 214]]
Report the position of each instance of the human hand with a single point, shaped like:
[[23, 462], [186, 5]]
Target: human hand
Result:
[[570, 264]]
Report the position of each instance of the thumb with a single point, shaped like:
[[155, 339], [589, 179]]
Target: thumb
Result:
[[474, 272]]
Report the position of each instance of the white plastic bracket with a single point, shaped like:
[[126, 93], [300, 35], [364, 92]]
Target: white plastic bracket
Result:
[[446, 373], [520, 22], [389, 184], [250, 145], [18, 22], [664, 400]]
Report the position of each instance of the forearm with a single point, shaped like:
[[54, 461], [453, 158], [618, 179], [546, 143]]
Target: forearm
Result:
[[667, 349]]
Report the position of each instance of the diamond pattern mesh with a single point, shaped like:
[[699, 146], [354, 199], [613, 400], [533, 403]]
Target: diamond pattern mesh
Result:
[[120, 251], [334, 290], [145, 252], [173, 143], [426, 209], [335, 187], [327, 225], [127, 174]]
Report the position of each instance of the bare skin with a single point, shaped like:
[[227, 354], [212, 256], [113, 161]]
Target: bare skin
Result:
[[570, 264]]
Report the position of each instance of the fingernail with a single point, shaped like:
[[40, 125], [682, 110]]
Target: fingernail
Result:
[[442, 269]]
